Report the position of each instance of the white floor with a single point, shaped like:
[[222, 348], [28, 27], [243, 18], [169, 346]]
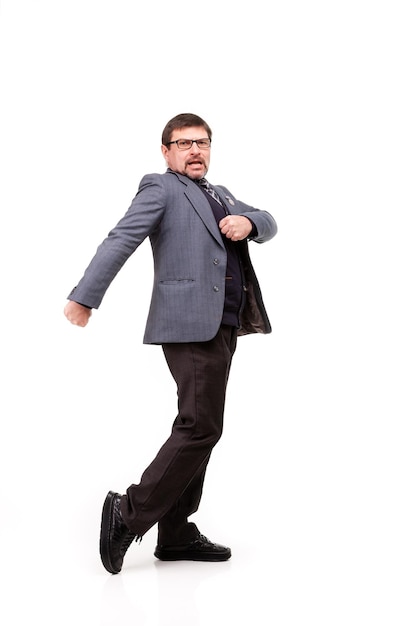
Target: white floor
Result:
[[277, 575]]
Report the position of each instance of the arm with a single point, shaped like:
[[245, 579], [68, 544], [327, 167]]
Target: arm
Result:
[[142, 217], [235, 226]]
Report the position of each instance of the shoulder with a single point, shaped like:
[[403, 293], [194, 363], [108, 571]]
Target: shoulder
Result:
[[151, 179], [227, 196], [225, 191], [166, 180]]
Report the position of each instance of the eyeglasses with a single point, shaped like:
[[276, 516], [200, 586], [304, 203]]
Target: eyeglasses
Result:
[[185, 144]]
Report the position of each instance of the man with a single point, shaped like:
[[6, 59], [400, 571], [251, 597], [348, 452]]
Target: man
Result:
[[205, 294]]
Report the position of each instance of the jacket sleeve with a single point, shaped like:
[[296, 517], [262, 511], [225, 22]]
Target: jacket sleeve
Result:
[[142, 217]]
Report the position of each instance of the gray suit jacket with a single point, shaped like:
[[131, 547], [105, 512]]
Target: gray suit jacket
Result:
[[189, 260]]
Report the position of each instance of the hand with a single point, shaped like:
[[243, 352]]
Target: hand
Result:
[[235, 227], [77, 313]]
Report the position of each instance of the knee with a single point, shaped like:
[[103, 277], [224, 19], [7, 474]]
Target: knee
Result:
[[211, 433], [203, 433]]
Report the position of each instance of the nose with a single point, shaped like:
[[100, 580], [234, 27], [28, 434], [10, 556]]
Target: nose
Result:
[[194, 147]]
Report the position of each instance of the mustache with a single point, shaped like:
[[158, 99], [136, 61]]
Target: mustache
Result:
[[194, 160]]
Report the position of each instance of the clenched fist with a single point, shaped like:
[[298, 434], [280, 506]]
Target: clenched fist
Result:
[[235, 227], [77, 313]]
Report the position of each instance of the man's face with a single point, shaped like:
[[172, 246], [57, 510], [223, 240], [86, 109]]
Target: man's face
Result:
[[193, 162]]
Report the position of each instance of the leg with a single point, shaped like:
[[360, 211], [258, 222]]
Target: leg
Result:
[[174, 528], [170, 488]]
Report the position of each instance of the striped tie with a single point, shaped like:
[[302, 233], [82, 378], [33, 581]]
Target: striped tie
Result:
[[206, 186]]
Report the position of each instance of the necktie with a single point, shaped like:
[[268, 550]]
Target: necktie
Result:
[[206, 186]]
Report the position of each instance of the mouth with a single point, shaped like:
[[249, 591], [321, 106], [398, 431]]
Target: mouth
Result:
[[197, 162]]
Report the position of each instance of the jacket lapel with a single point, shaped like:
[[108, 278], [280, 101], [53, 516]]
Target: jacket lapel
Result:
[[201, 205]]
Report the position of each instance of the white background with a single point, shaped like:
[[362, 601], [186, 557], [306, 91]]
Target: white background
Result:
[[313, 108]]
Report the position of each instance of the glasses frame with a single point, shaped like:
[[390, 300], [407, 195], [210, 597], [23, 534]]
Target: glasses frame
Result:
[[196, 141]]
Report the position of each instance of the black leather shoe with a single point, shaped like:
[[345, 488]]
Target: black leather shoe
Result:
[[201, 549], [115, 537]]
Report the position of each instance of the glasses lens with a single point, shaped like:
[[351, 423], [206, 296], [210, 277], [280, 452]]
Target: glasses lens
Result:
[[203, 143], [184, 144]]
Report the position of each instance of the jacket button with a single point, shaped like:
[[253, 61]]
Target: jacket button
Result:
[[216, 261], [215, 288]]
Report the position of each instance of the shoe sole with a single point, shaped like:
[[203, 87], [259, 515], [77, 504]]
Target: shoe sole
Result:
[[105, 533], [192, 556]]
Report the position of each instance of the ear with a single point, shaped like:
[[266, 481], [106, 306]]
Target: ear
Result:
[[164, 151]]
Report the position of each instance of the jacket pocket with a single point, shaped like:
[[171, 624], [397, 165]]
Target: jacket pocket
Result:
[[176, 281]]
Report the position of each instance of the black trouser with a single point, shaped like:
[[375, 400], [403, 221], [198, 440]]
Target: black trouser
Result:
[[170, 488]]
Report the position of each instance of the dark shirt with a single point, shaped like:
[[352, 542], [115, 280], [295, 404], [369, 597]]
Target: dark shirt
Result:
[[234, 292]]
